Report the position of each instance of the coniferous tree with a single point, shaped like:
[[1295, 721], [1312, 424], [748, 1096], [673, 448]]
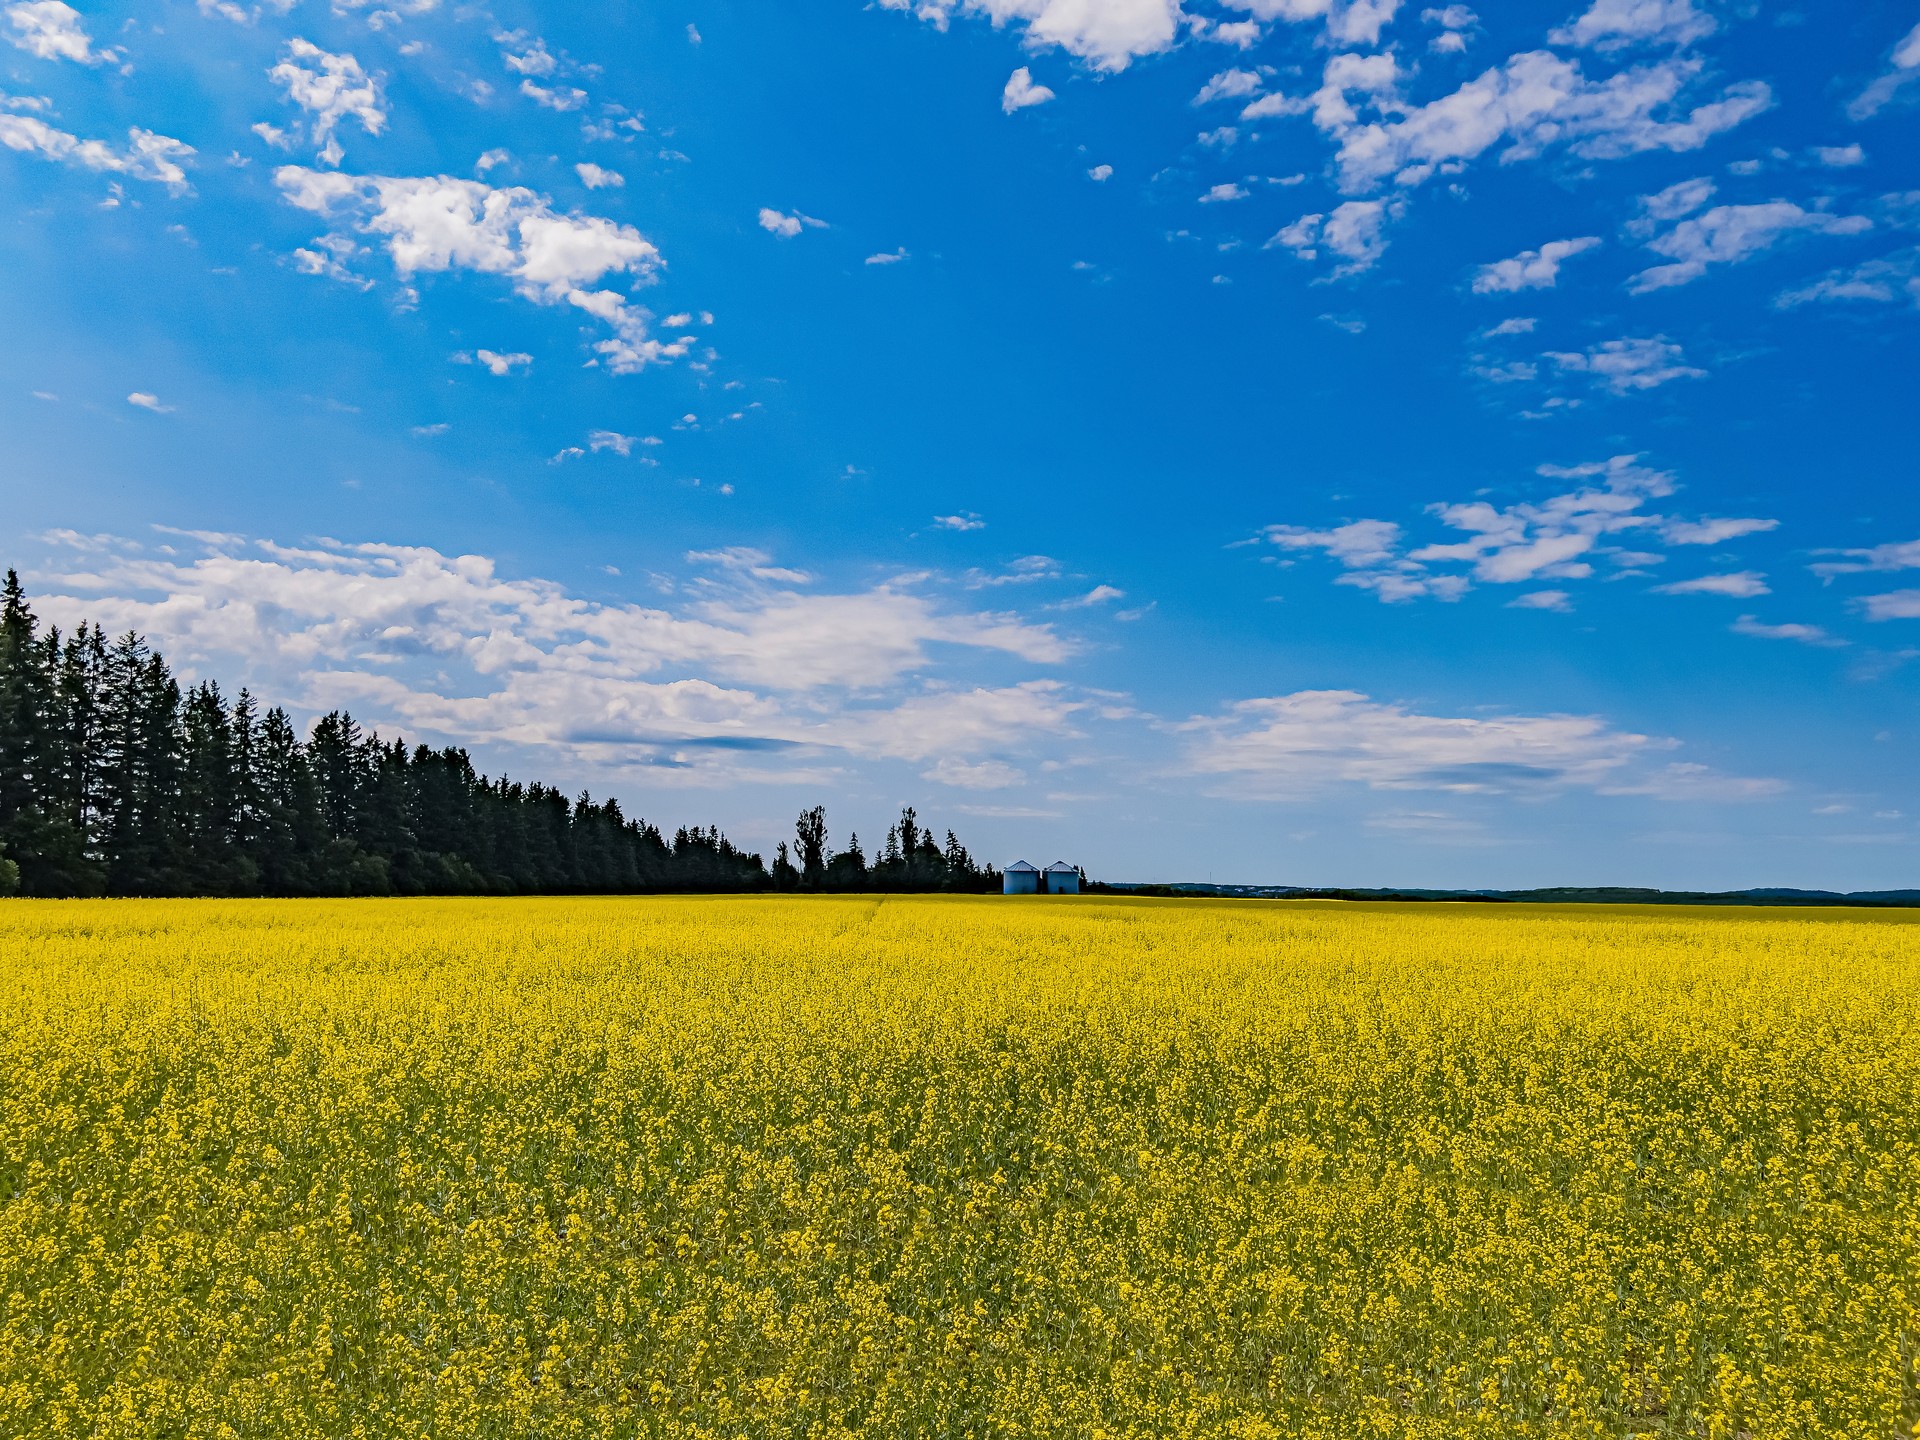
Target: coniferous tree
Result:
[[114, 781]]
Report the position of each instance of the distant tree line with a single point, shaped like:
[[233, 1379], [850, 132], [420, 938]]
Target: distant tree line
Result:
[[911, 859], [116, 781]]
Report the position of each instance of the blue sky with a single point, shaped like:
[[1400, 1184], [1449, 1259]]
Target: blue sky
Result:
[[1308, 441]]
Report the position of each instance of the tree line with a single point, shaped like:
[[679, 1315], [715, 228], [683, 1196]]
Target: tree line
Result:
[[911, 859], [114, 780]]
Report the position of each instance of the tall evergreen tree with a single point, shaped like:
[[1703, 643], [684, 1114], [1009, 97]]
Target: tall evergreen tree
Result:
[[113, 781]]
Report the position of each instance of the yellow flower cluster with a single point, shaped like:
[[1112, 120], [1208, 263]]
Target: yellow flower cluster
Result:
[[847, 1167]]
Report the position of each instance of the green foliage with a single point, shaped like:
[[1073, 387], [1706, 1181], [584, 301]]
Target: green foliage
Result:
[[113, 781]]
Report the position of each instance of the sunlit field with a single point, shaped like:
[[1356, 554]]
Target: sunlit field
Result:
[[852, 1167]]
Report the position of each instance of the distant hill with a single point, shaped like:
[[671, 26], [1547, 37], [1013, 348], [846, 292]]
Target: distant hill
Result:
[[1553, 895]]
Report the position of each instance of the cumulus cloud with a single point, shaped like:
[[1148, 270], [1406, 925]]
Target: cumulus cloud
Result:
[[1897, 605], [1110, 34], [147, 401], [1885, 281], [776, 222], [495, 362], [1100, 172], [1293, 746], [596, 177], [1231, 84], [330, 88], [50, 30], [1355, 231], [1531, 102], [1728, 234], [1626, 366], [1804, 634], [1224, 192], [1556, 600], [564, 98], [1743, 585], [1900, 555], [1558, 538], [1681, 198], [1106, 34], [1903, 67], [147, 156], [440, 223], [1530, 269], [1021, 92], [1612, 24], [1347, 22], [755, 661], [968, 521], [1455, 23]]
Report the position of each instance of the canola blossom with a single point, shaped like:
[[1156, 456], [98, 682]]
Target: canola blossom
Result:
[[851, 1167]]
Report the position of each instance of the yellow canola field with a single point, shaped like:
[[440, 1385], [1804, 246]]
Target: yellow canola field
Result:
[[836, 1167]]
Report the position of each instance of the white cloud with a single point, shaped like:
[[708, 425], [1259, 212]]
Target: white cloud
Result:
[[1681, 198], [1556, 538], [1898, 605], [1885, 281], [1244, 33], [1232, 84], [1804, 634], [1743, 585], [1711, 532], [1901, 555], [524, 58], [1107, 34], [564, 98], [1903, 69], [1610, 24], [987, 775], [1454, 22], [1728, 234], [146, 401], [329, 257], [50, 30], [447, 644], [1358, 545], [330, 88], [1530, 269], [442, 223], [1355, 231], [1624, 366], [494, 361], [775, 222], [1557, 600], [1514, 325], [1531, 102], [1348, 22], [1099, 595], [1020, 92], [595, 177], [1839, 157], [1292, 746], [1100, 172], [968, 521], [888, 257], [147, 156], [1224, 192]]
